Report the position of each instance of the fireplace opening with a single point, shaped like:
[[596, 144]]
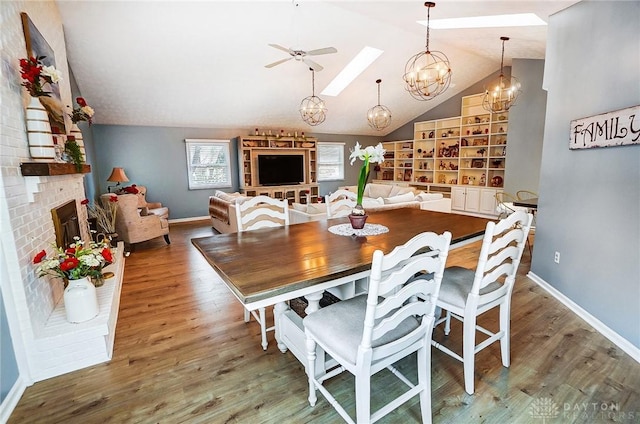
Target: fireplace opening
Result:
[[65, 222]]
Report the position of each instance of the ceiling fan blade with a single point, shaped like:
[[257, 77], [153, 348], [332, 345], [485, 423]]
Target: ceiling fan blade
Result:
[[326, 50], [315, 66], [271, 65], [279, 47]]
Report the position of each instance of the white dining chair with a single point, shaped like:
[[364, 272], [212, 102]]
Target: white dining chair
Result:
[[252, 214], [340, 203], [371, 332], [466, 294]]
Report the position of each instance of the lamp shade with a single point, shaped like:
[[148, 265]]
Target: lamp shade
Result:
[[118, 176]]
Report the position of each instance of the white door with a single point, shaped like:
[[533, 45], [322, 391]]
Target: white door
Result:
[[472, 201], [488, 202], [457, 198]]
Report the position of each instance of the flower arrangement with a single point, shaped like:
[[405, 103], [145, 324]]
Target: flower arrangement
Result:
[[105, 214], [132, 189], [368, 155], [83, 112], [35, 75], [74, 262]]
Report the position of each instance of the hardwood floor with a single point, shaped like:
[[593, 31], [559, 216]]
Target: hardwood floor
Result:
[[183, 354]]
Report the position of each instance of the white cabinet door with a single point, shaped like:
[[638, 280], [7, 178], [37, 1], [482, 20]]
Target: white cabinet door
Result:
[[488, 202], [472, 200], [457, 198]]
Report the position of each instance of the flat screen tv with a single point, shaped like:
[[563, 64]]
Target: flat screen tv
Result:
[[280, 169]]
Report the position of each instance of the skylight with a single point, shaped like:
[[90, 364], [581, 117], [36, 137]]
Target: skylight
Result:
[[514, 20], [354, 68]]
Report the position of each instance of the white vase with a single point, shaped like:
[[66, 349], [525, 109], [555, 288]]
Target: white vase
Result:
[[41, 146], [75, 131], [80, 300]]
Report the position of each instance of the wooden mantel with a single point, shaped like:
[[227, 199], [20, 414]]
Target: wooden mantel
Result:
[[40, 169]]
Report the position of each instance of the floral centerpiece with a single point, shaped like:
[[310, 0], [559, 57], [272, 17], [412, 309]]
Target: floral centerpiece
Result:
[[75, 262], [368, 155], [83, 112], [35, 75], [105, 213]]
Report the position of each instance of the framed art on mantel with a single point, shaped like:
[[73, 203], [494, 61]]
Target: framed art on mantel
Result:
[[38, 46]]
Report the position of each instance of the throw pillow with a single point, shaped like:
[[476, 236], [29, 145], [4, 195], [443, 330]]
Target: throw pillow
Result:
[[397, 190], [422, 197], [368, 202], [402, 198], [377, 190]]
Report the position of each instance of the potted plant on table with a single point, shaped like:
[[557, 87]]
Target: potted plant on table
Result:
[[368, 155]]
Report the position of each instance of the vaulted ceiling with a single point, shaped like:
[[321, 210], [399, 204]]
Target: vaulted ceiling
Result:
[[202, 63]]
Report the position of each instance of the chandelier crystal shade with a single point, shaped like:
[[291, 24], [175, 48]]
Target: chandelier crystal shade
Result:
[[428, 73], [504, 92], [312, 108], [379, 116]]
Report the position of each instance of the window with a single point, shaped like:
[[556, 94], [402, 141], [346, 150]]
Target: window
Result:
[[208, 164], [330, 161]]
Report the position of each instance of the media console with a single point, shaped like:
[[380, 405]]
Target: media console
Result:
[[251, 153]]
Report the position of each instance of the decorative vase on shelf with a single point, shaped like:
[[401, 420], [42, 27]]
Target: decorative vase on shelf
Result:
[[75, 131], [80, 300], [41, 145]]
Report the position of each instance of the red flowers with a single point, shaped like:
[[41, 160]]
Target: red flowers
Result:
[[39, 257], [106, 254], [68, 264], [30, 69], [113, 198], [81, 101], [85, 202]]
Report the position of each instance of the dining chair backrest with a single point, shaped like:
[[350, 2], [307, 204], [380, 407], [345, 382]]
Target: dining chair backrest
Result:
[[392, 296], [262, 212], [500, 254], [340, 203], [505, 204]]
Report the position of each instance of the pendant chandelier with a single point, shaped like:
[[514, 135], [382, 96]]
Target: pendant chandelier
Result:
[[428, 73], [312, 108], [504, 92], [379, 116]]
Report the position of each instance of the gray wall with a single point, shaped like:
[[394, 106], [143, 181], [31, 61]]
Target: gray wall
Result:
[[526, 128], [156, 157], [590, 199]]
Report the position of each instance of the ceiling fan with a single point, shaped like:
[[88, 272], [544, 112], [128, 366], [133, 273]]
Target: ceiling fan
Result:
[[301, 56]]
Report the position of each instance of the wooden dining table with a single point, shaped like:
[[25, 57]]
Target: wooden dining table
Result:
[[271, 266]]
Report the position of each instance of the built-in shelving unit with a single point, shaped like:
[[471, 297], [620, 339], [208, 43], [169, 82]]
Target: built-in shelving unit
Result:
[[466, 151], [250, 147]]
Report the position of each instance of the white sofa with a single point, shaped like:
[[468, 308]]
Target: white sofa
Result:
[[376, 197]]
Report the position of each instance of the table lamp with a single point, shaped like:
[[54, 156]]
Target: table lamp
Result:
[[117, 176]]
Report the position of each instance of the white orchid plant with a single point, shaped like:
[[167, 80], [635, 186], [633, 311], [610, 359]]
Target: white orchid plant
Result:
[[368, 155]]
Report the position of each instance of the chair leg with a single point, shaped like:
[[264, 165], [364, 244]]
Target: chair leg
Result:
[[424, 379], [247, 315], [363, 399], [468, 351], [311, 366], [505, 327], [166, 238], [447, 324]]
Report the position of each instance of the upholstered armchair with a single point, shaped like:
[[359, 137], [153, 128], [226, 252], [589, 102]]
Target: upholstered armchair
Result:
[[133, 226]]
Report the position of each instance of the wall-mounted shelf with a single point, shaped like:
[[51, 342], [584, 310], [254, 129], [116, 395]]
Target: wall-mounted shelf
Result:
[[42, 169]]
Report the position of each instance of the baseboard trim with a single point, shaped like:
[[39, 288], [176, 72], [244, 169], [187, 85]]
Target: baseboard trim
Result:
[[13, 397], [600, 327], [194, 218]]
